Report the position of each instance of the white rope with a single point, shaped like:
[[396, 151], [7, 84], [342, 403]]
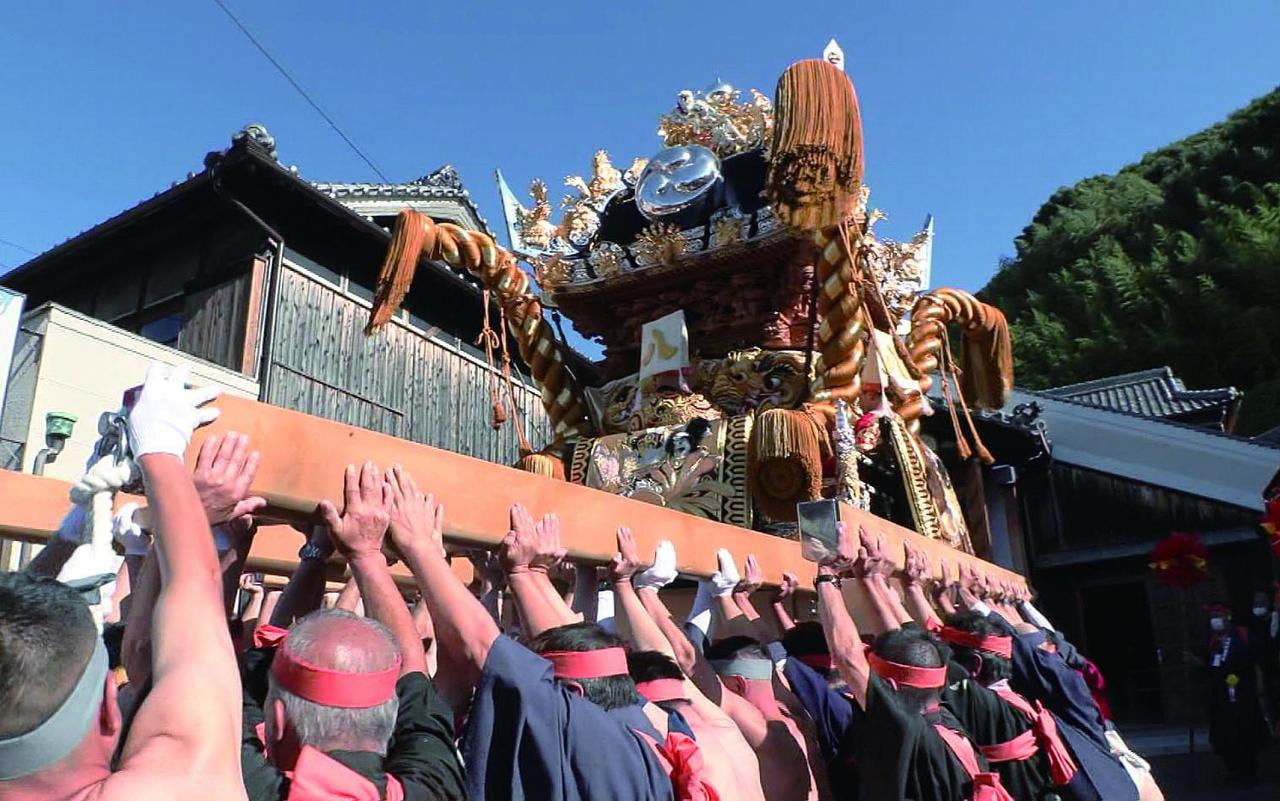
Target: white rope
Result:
[[96, 488]]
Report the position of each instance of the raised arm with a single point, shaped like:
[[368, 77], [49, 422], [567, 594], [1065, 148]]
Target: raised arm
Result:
[[527, 553], [944, 590], [875, 569], [463, 627], [729, 619], [305, 591], [782, 619], [188, 727], [633, 621], [843, 639], [917, 603], [370, 504], [752, 580], [71, 534]]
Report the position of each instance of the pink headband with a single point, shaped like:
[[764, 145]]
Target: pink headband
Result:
[[333, 687], [994, 644], [924, 678], [588, 664], [662, 690]]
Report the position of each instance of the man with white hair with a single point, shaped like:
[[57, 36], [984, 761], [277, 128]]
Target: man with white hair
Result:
[[342, 708]]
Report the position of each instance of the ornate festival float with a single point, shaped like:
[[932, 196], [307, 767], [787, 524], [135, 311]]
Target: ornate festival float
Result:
[[762, 346]]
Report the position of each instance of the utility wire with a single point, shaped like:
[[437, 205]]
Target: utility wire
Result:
[[301, 91], [23, 248]]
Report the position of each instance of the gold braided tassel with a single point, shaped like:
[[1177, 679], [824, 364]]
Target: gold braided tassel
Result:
[[816, 165], [784, 462], [542, 464]]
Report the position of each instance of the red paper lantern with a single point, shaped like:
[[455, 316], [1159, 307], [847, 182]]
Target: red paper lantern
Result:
[[1180, 559]]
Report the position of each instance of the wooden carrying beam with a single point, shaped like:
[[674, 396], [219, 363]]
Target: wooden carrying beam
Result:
[[303, 459]]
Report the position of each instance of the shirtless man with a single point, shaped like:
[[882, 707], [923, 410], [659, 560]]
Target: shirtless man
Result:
[[785, 772], [61, 723], [730, 762]]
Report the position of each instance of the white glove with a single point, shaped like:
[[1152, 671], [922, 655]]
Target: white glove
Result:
[[128, 533], [663, 571], [167, 412], [72, 529], [727, 578]]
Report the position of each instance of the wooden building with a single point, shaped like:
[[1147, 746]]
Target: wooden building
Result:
[[248, 266], [1094, 475]]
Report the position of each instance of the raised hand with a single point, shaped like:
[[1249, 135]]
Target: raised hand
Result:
[[788, 586], [224, 471], [916, 567], [847, 555], [416, 521], [626, 562], [167, 412], [366, 512], [520, 547], [726, 578], [663, 571], [548, 552], [752, 577], [872, 560]]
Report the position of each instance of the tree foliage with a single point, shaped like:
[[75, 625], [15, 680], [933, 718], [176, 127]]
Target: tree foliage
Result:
[[1172, 261]]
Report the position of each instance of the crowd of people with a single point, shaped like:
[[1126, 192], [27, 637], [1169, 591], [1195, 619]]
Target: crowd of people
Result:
[[527, 683]]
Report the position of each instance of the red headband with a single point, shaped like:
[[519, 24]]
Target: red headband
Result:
[[662, 690], [822, 662], [588, 664], [334, 687], [924, 678], [993, 644]]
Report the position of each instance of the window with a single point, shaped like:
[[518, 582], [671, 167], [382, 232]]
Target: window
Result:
[[163, 330]]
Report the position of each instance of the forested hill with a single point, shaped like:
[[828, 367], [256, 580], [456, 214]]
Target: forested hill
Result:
[[1172, 261]]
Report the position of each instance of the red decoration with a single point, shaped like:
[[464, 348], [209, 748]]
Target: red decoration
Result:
[[1271, 524], [1180, 559]]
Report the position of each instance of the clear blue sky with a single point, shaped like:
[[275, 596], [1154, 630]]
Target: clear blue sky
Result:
[[973, 111]]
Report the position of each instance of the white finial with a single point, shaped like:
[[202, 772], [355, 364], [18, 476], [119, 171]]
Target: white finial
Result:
[[833, 54]]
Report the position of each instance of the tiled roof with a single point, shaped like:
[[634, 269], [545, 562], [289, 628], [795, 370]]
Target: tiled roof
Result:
[[444, 183], [1150, 393]]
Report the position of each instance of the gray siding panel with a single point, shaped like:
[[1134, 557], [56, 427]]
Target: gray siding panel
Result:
[[398, 382]]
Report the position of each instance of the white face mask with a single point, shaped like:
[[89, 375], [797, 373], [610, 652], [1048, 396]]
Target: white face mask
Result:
[[1217, 623], [1260, 611]]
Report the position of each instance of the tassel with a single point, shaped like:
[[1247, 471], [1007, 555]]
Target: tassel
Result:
[[542, 464], [410, 238], [816, 166], [784, 462], [984, 346]]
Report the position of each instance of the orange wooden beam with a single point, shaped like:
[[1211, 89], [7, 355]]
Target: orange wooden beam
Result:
[[303, 459]]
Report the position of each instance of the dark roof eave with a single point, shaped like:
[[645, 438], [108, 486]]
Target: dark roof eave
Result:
[[146, 208], [247, 153]]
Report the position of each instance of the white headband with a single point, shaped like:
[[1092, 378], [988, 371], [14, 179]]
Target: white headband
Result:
[[64, 730]]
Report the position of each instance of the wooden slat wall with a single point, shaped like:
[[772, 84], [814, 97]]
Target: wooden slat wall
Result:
[[397, 382], [213, 325]]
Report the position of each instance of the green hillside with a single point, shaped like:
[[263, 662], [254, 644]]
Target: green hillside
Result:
[[1174, 260]]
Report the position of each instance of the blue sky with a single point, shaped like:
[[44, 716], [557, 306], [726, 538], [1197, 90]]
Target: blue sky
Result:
[[973, 111]]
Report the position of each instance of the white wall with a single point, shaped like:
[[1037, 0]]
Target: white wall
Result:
[[85, 367]]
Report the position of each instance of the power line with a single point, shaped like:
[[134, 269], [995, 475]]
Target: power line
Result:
[[23, 248], [301, 91]]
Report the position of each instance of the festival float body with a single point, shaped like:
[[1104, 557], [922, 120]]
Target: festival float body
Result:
[[762, 346]]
